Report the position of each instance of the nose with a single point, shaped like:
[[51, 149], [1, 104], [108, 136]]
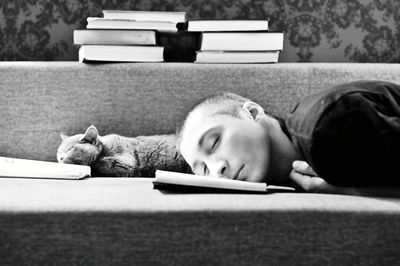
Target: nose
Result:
[[219, 168]]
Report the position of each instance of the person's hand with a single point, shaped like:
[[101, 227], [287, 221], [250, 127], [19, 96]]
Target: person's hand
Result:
[[304, 178]]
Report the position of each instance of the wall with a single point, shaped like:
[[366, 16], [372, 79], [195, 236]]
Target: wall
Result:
[[316, 30]]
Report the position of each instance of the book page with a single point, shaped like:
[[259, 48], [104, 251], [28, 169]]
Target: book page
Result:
[[14, 167], [206, 181]]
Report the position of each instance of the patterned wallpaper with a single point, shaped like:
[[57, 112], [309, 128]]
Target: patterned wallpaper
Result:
[[316, 30]]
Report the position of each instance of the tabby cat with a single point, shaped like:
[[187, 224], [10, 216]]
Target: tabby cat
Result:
[[118, 156]]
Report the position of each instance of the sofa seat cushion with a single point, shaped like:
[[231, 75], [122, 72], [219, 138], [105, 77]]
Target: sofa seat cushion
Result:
[[124, 221]]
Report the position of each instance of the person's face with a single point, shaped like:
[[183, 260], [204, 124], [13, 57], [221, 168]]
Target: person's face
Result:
[[225, 146]]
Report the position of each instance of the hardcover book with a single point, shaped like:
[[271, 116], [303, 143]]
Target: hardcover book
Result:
[[237, 57], [126, 24], [118, 53], [241, 41], [227, 25], [116, 37], [166, 180], [173, 16], [24, 168]]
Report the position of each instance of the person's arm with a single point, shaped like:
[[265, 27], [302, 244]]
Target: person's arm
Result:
[[304, 178]]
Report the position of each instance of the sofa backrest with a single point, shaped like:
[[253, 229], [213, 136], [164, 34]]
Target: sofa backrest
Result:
[[38, 100]]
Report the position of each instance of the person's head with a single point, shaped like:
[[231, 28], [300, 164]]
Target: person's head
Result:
[[226, 135]]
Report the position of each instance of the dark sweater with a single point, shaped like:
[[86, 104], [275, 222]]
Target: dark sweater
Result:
[[350, 134]]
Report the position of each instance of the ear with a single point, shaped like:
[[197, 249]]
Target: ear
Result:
[[91, 135], [63, 136], [254, 110]]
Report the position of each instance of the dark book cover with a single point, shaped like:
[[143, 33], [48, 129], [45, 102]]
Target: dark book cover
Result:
[[175, 188], [180, 46]]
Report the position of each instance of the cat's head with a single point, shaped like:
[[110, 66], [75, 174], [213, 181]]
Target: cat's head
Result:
[[80, 149]]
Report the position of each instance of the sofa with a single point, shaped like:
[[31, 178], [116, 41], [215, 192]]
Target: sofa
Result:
[[124, 221]]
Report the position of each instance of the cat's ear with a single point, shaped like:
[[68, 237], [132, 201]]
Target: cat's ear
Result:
[[91, 135], [63, 136]]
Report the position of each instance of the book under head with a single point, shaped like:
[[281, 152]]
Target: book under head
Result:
[[167, 179]]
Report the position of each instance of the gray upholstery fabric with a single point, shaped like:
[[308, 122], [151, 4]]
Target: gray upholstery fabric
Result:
[[38, 100], [105, 221]]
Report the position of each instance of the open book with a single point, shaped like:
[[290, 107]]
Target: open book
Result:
[[166, 180], [13, 167]]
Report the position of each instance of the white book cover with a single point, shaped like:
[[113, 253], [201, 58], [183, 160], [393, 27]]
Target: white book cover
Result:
[[119, 53], [173, 16], [118, 37], [128, 24], [237, 57], [165, 178], [15, 167], [227, 25], [241, 41]]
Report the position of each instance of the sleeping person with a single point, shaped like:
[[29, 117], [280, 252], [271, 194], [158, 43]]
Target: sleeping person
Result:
[[345, 139]]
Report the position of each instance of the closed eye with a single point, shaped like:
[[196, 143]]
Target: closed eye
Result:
[[215, 143], [205, 170], [69, 148]]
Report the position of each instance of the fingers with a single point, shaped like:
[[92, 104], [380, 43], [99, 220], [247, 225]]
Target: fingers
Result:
[[301, 175], [305, 179], [314, 184], [303, 167], [301, 182]]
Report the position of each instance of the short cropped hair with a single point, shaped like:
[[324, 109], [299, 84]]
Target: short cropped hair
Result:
[[228, 104]]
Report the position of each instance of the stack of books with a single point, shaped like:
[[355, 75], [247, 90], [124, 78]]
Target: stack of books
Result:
[[126, 36], [236, 41]]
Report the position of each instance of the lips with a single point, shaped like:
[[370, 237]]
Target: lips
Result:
[[236, 175]]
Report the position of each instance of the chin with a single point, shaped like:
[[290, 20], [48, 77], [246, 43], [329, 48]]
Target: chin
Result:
[[256, 179], [258, 174]]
